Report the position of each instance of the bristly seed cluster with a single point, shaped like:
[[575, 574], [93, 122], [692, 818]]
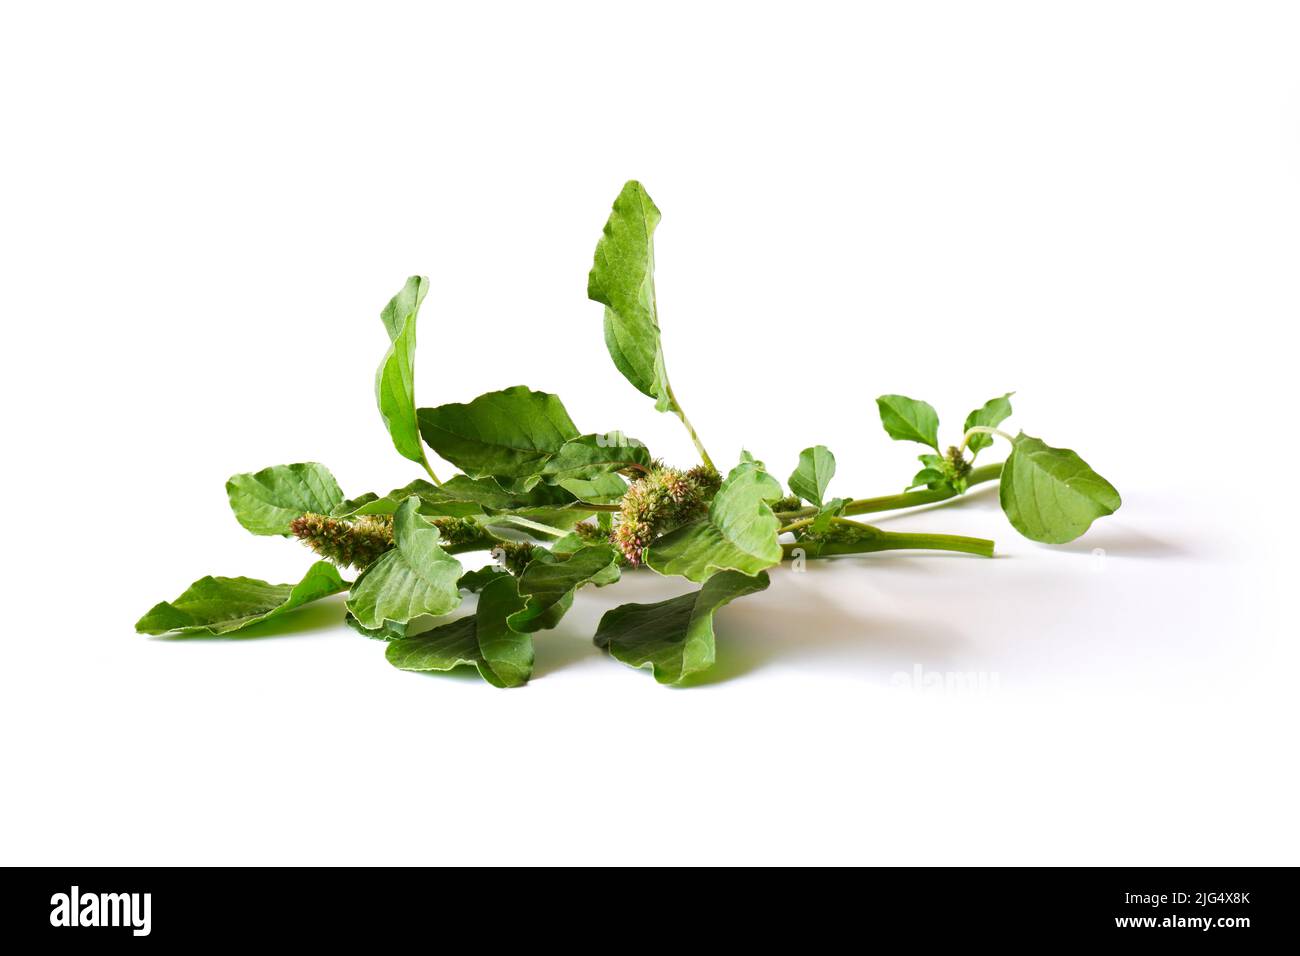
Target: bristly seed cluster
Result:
[[354, 543], [655, 504], [358, 542], [514, 555], [459, 532], [788, 503]]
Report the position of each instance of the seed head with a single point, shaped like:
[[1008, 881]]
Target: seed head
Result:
[[356, 543], [658, 502]]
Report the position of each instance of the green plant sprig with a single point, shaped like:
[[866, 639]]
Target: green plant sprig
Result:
[[559, 508]]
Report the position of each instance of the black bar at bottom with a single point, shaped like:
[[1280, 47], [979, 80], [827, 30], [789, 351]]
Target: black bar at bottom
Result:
[[214, 906]]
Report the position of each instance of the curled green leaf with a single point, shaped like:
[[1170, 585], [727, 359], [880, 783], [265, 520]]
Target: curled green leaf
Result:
[[484, 639], [510, 434], [989, 415], [674, 638], [1051, 494], [622, 279], [435, 501], [549, 585], [590, 456], [267, 501], [395, 378], [601, 489], [461, 497], [475, 581], [221, 606], [415, 578], [388, 631], [739, 533]]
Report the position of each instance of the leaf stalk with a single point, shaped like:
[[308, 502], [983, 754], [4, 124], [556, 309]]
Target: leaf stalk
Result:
[[699, 445], [424, 461], [982, 430]]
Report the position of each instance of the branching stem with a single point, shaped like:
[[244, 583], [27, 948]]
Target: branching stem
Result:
[[908, 499], [982, 430]]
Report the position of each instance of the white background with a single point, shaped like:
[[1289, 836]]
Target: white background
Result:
[[202, 211]]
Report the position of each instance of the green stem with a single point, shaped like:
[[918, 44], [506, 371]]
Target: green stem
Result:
[[699, 445], [908, 499], [892, 541], [592, 506], [911, 499], [982, 430], [520, 523], [796, 525], [432, 477]]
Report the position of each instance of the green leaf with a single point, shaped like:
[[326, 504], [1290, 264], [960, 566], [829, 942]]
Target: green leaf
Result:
[[1050, 494], [927, 477], [507, 434], [674, 637], [460, 497], [570, 544], [388, 631], [435, 501], [484, 639], [622, 279], [416, 577], [507, 653], [906, 419], [489, 493], [550, 584], [939, 474], [267, 501], [225, 605], [534, 529], [827, 513], [548, 522], [739, 534], [354, 507], [591, 455], [475, 581], [601, 489], [395, 378], [443, 648], [815, 471], [990, 415]]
